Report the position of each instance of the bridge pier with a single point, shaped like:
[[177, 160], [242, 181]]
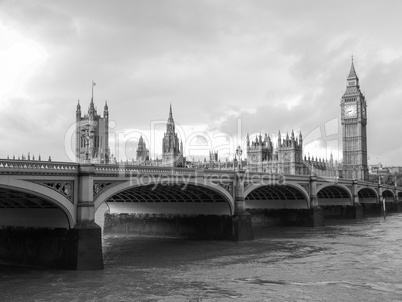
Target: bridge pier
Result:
[[43, 244], [357, 207], [398, 203], [241, 220], [317, 212], [68, 249], [89, 235]]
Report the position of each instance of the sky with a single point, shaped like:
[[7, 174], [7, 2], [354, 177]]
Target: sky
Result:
[[227, 67]]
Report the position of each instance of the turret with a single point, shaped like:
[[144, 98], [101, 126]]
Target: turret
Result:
[[170, 119], [78, 111], [106, 110], [279, 139]]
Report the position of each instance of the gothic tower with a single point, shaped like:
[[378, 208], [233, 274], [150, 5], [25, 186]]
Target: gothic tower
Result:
[[142, 151], [172, 153], [354, 133], [290, 154], [92, 135]]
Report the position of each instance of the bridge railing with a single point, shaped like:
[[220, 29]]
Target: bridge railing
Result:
[[8, 166], [132, 169]]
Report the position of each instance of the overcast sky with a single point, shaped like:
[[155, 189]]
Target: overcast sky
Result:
[[257, 66]]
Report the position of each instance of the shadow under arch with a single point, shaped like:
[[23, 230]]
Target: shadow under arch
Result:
[[367, 195], [29, 208], [167, 197], [287, 196], [334, 195]]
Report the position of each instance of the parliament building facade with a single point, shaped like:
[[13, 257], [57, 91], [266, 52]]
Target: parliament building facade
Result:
[[285, 155]]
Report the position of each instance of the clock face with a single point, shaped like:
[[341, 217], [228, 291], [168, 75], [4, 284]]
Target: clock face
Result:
[[351, 111]]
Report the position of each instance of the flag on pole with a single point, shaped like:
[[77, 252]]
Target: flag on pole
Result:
[[93, 83]]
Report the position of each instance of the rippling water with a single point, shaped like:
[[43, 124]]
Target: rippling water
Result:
[[346, 261]]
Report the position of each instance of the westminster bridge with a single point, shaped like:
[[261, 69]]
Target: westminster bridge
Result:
[[47, 209]]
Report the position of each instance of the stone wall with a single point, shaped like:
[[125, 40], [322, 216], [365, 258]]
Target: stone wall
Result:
[[182, 226], [76, 249]]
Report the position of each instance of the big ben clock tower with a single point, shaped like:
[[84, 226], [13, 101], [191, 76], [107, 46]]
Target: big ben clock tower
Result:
[[354, 134]]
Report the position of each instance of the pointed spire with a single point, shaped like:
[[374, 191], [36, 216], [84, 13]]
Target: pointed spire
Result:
[[170, 112], [91, 109], [78, 106], [352, 73], [106, 108], [92, 98], [279, 139]]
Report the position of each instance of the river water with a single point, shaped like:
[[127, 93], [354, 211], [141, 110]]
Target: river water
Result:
[[344, 261]]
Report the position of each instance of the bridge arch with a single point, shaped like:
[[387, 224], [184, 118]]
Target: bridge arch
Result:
[[388, 195], [167, 197], [25, 203], [331, 194], [287, 196], [367, 195]]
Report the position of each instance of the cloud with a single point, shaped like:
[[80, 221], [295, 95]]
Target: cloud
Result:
[[278, 65]]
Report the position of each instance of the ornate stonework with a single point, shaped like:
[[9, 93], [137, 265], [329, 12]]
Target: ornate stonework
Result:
[[65, 188], [306, 187], [100, 186], [227, 186]]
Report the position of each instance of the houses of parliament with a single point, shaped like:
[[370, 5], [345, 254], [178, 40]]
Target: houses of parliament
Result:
[[284, 155]]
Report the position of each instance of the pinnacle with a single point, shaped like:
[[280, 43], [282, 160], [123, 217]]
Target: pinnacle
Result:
[[170, 113], [352, 73]]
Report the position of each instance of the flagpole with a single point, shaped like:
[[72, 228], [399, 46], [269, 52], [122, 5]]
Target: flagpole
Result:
[[92, 89]]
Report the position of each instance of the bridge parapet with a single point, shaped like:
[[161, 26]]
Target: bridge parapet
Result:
[[8, 166], [119, 169]]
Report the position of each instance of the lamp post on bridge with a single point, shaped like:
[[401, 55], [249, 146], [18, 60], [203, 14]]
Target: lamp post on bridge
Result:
[[239, 153]]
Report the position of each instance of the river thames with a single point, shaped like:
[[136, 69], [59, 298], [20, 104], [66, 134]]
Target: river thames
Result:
[[343, 261]]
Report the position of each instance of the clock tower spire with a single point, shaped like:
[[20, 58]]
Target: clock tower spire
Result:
[[354, 133]]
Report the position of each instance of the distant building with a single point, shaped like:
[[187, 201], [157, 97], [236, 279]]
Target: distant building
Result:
[[379, 169], [213, 156], [394, 170], [172, 150], [142, 151], [287, 157], [92, 135]]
